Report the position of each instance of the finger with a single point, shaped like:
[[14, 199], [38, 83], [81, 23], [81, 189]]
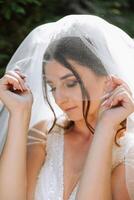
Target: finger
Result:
[[20, 73], [105, 97], [114, 92], [113, 82], [119, 82], [126, 87], [120, 88], [109, 85], [121, 98], [118, 98], [17, 69], [24, 77], [12, 81], [15, 75]]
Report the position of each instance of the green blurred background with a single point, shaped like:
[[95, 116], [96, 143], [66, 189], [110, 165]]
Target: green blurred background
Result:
[[19, 17]]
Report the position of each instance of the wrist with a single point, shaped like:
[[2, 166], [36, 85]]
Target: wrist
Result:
[[21, 111], [107, 124], [108, 130], [20, 120], [22, 115]]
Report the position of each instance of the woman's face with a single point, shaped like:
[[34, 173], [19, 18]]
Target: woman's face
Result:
[[66, 89]]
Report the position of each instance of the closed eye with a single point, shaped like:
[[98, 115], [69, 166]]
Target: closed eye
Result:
[[69, 84], [72, 83]]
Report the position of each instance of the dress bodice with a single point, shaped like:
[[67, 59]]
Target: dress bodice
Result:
[[50, 184]]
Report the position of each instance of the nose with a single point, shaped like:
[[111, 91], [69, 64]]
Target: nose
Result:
[[60, 97]]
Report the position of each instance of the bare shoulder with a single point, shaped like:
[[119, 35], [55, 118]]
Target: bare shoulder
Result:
[[119, 187], [36, 155]]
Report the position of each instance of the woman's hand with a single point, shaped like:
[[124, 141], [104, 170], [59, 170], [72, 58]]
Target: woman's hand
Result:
[[14, 91], [118, 104]]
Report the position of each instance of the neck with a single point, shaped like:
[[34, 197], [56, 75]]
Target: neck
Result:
[[82, 129]]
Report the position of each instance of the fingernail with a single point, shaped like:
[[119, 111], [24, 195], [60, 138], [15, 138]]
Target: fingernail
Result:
[[14, 88], [106, 95], [21, 88], [111, 104], [104, 103], [107, 102]]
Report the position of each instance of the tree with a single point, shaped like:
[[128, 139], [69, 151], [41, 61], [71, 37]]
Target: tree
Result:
[[19, 17]]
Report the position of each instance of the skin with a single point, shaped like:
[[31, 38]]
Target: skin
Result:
[[79, 138], [15, 146], [67, 97], [64, 98]]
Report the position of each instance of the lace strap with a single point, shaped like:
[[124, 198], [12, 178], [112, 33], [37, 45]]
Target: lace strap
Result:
[[36, 136]]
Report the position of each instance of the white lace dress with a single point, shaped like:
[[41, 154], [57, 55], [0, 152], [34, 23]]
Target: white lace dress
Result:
[[50, 184]]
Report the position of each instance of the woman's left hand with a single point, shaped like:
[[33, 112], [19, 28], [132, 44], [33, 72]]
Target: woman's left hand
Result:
[[119, 103]]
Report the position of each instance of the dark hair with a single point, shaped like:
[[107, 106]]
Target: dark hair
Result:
[[74, 48]]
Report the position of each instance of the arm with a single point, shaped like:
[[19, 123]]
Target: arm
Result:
[[96, 178], [95, 182], [36, 155], [13, 159], [119, 187], [18, 99], [35, 159]]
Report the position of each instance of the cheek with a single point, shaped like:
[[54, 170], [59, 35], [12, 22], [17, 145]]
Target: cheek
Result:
[[76, 114], [94, 99], [94, 106], [75, 94]]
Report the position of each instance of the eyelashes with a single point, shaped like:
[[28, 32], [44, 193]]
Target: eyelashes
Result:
[[69, 84], [72, 83]]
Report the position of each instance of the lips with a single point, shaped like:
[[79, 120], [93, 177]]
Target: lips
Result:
[[68, 109]]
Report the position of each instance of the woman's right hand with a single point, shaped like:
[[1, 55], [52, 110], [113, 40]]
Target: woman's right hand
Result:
[[14, 91]]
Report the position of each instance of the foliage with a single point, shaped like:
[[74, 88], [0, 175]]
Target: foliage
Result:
[[19, 17]]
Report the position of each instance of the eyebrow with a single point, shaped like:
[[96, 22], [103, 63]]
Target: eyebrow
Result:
[[62, 78]]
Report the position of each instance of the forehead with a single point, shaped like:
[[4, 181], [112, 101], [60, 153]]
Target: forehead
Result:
[[55, 70]]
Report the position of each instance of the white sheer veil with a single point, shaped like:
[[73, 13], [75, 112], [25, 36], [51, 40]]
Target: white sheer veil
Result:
[[111, 45]]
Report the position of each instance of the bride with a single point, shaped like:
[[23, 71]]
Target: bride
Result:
[[66, 114]]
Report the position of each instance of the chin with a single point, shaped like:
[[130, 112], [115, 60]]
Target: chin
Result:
[[75, 117]]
